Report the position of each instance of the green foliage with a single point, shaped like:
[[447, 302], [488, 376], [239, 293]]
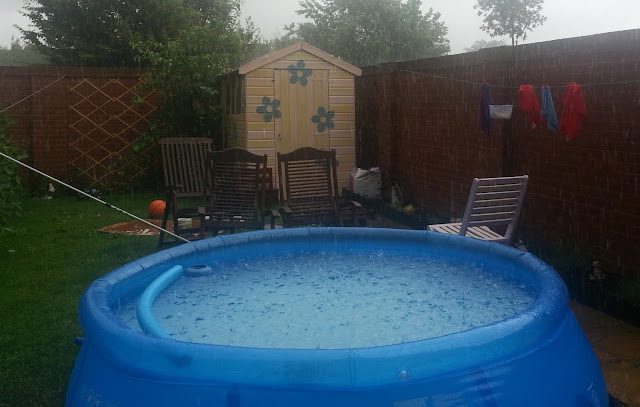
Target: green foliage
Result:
[[11, 190], [481, 44], [101, 32], [185, 72], [264, 47], [373, 31], [512, 18], [21, 55]]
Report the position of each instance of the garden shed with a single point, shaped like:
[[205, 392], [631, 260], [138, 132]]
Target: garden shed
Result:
[[298, 96]]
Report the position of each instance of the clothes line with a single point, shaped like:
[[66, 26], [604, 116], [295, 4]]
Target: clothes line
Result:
[[574, 109], [34, 93]]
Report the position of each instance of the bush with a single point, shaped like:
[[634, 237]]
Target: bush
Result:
[[11, 189], [186, 73]]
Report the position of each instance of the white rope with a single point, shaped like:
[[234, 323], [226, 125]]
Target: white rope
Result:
[[95, 199], [38, 91]]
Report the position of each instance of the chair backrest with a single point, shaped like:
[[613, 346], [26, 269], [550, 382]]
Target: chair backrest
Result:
[[308, 182], [495, 202], [236, 180], [183, 161]]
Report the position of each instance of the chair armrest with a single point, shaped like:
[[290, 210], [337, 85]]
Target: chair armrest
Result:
[[287, 214], [352, 211], [273, 213], [345, 202], [202, 211], [285, 210], [170, 189]]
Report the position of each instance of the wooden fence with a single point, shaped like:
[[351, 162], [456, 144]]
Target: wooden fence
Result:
[[79, 123], [418, 121]]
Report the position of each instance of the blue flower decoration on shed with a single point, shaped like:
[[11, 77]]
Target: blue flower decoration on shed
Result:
[[269, 109], [323, 119], [299, 73]]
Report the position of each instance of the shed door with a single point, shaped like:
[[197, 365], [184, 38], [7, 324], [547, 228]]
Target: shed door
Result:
[[305, 120]]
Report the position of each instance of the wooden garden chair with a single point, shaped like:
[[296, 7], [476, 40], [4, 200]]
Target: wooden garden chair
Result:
[[309, 189], [493, 203], [183, 161], [237, 181]]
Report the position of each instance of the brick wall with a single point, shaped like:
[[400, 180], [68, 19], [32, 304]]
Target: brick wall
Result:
[[418, 121]]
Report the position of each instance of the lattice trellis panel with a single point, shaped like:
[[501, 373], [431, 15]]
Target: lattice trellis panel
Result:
[[104, 125]]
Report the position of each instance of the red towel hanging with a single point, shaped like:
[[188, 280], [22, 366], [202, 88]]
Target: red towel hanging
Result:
[[574, 110], [528, 103]]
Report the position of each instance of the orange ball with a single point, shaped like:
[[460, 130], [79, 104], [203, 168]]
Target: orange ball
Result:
[[156, 208]]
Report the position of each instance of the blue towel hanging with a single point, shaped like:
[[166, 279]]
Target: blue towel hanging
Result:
[[548, 111]]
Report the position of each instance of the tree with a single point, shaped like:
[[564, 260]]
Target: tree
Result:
[[19, 54], [373, 31], [278, 41], [185, 73], [512, 18], [481, 44], [187, 44], [103, 32], [99, 32]]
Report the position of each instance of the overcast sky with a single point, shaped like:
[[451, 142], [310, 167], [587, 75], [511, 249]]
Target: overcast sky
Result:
[[565, 18]]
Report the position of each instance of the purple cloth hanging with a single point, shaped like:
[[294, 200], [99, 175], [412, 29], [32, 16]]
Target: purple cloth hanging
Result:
[[484, 119]]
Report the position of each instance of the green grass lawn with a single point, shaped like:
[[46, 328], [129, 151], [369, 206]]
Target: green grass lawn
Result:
[[52, 256]]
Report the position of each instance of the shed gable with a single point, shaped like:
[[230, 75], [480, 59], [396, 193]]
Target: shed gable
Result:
[[301, 51]]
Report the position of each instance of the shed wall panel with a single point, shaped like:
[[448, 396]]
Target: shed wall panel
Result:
[[314, 65], [340, 74], [346, 100], [259, 82], [341, 91], [302, 56], [259, 126], [255, 100], [261, 135], [260, 73], [260, 91], [341, 83], [260, 144], [342, 108]]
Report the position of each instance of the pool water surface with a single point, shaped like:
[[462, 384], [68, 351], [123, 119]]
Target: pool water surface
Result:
[[348, 298]]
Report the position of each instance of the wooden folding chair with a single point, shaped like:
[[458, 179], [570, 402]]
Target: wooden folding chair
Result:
[[183, 161], [493, 203], [309, 188], [237, 181]]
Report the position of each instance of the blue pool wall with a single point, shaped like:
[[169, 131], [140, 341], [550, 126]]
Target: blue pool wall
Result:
[[539, 355]]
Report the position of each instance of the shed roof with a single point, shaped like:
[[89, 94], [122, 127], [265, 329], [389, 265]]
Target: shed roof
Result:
[[274, 56]]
